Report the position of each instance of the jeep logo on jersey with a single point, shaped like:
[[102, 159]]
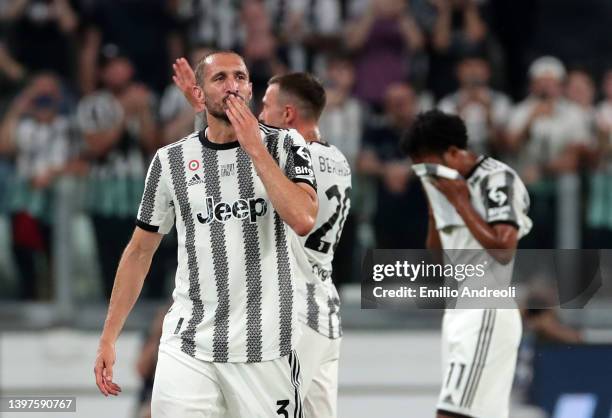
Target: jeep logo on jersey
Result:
[[240, 209], [498, 196]]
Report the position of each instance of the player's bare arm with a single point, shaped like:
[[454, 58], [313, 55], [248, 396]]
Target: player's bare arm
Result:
[[433, 237], [502, 237], [131, 273], [296, 204]]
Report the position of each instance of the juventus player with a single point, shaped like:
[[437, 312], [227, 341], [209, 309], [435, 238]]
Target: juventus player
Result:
[[296, 101], [479, 346], [234, 190]]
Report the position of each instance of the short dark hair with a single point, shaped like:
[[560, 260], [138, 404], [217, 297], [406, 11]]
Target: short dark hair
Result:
[[200, 68], [306, 88], [434, 132]]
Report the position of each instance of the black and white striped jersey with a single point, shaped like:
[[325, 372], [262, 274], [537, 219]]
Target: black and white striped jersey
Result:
[[315, 252], [498, 195], [234, 299]]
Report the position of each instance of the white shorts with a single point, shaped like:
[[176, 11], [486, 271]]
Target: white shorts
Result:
[[319, 358], [479, 350], [186, 387]]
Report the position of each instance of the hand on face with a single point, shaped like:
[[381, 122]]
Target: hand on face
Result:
[[455, 191], [245, 124]]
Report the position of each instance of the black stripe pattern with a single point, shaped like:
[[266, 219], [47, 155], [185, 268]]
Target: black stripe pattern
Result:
[[480, 357], [312, 308], [294, 365], [285, 286], [179, 183], [148, 197], [333, 304], [252, 261], [212, 185]]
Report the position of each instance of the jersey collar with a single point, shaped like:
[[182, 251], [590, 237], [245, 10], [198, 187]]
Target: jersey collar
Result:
[[480, 160], [213, 145]]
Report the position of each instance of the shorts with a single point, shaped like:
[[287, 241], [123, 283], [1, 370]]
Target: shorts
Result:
[[319, 357], [186, 387], [479, 351]]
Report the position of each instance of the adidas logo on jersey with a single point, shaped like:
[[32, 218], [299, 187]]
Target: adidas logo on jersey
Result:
[[195, 180], [240, 209]]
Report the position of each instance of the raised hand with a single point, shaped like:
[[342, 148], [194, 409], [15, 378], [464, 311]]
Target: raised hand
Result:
[[185, 80]]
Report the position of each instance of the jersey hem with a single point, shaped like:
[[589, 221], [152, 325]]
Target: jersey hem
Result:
[[511, 223], [305, 181], [146, 226], [454, 414]]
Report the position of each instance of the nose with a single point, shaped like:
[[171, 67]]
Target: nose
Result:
[[231, 86]]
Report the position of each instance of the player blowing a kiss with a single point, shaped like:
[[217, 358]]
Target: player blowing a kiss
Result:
[[237, 192], [295, 101], [489, 205]]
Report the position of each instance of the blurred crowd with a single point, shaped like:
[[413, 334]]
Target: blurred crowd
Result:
[[86, 92]]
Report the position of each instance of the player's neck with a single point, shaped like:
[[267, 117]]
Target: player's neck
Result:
[[309, 131], [219, 131], [471, 161]]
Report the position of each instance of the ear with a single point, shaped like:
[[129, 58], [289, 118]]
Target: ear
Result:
[[199, 99], [250, 94], [290, 114], [453, 151]]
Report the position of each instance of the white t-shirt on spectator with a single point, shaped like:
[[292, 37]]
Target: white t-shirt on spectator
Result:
[[341, 126], [475, 116], [549, 135], [172, 103], [41, 146]]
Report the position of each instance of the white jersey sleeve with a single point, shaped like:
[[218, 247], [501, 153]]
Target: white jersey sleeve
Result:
[[156, 211], [505, 200], [295, 159]]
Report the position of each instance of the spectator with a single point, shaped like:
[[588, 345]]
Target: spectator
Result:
[[120, 131], [599, 209], [341, 123], [211, 22], [580, 90], [175, 112], [259, 49], [382, 37], [484, 110], [400, 202], [43, 35], [547, 135], [312, 29], [149, 40], [545, 130], [38, 136], [454, 28]]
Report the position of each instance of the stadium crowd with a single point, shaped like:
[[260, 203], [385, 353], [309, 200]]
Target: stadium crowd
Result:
[[86, 91]]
